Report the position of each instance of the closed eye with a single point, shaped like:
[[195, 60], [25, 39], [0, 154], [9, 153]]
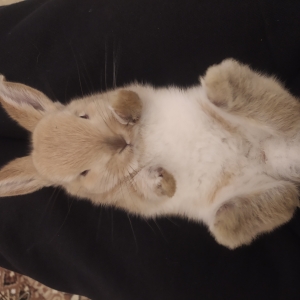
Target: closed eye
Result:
[[85, 116], [84, 173]]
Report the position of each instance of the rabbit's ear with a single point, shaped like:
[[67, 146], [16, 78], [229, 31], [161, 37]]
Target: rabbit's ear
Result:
[[24, 104], [20, 177]]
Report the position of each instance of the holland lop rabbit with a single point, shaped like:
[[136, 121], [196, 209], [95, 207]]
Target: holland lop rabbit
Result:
[[225, 153]]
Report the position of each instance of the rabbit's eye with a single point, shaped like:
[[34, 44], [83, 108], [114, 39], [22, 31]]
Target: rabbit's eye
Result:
[[85, 116], [84, 173]]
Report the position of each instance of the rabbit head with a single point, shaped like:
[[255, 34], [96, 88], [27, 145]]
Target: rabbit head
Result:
[[91, 146], [88, 143]]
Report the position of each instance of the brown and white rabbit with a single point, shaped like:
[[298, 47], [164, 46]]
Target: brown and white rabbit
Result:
[[224, 153]]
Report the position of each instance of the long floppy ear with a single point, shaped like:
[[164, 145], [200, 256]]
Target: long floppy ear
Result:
[[20, 177], [24, 104]]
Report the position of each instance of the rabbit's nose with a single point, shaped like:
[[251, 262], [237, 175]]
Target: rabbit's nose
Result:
[[117, 143]]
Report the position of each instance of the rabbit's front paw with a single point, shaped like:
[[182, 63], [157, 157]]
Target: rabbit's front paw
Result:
[[163, 182], [155, 183], [126, 107]]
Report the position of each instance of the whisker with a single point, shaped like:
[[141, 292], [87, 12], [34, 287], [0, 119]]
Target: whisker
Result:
[[77, 67], [134, 236], [105, 118], [127, 179], [98, 224], [105, 65], [160, 230], [63, 223], [172, 222], [115, 65], [52, 199], [87, 74], [106, 179], [66, 88], [112, 225], [149, 225]]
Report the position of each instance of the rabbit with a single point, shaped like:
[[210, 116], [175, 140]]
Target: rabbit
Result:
[[223, 152]]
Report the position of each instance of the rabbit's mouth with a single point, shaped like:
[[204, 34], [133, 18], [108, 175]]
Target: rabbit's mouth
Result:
[[116, 143]]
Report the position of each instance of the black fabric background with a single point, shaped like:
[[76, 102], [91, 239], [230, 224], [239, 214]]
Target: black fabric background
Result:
[[67, 48]]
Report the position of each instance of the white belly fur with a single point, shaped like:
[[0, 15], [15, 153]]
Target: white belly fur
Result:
[[182, 138]]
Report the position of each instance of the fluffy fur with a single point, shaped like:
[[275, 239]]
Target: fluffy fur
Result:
[[223, 153]]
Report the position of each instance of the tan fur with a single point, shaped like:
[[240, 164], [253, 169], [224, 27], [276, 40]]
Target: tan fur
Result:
[[85, 144], [225, 178], [241, 219], [221, 121], [67, 145], [28, 116], [237, 89], [168, 185], [127, 105], [18, 177], [92, 147]]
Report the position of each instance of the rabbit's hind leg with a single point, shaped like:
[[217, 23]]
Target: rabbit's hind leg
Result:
[[241, 219], [237, 89]]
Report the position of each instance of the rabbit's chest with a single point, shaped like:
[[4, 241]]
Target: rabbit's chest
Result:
[[202, 154]]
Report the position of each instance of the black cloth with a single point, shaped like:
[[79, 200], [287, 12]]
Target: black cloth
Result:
[[69, 48]]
